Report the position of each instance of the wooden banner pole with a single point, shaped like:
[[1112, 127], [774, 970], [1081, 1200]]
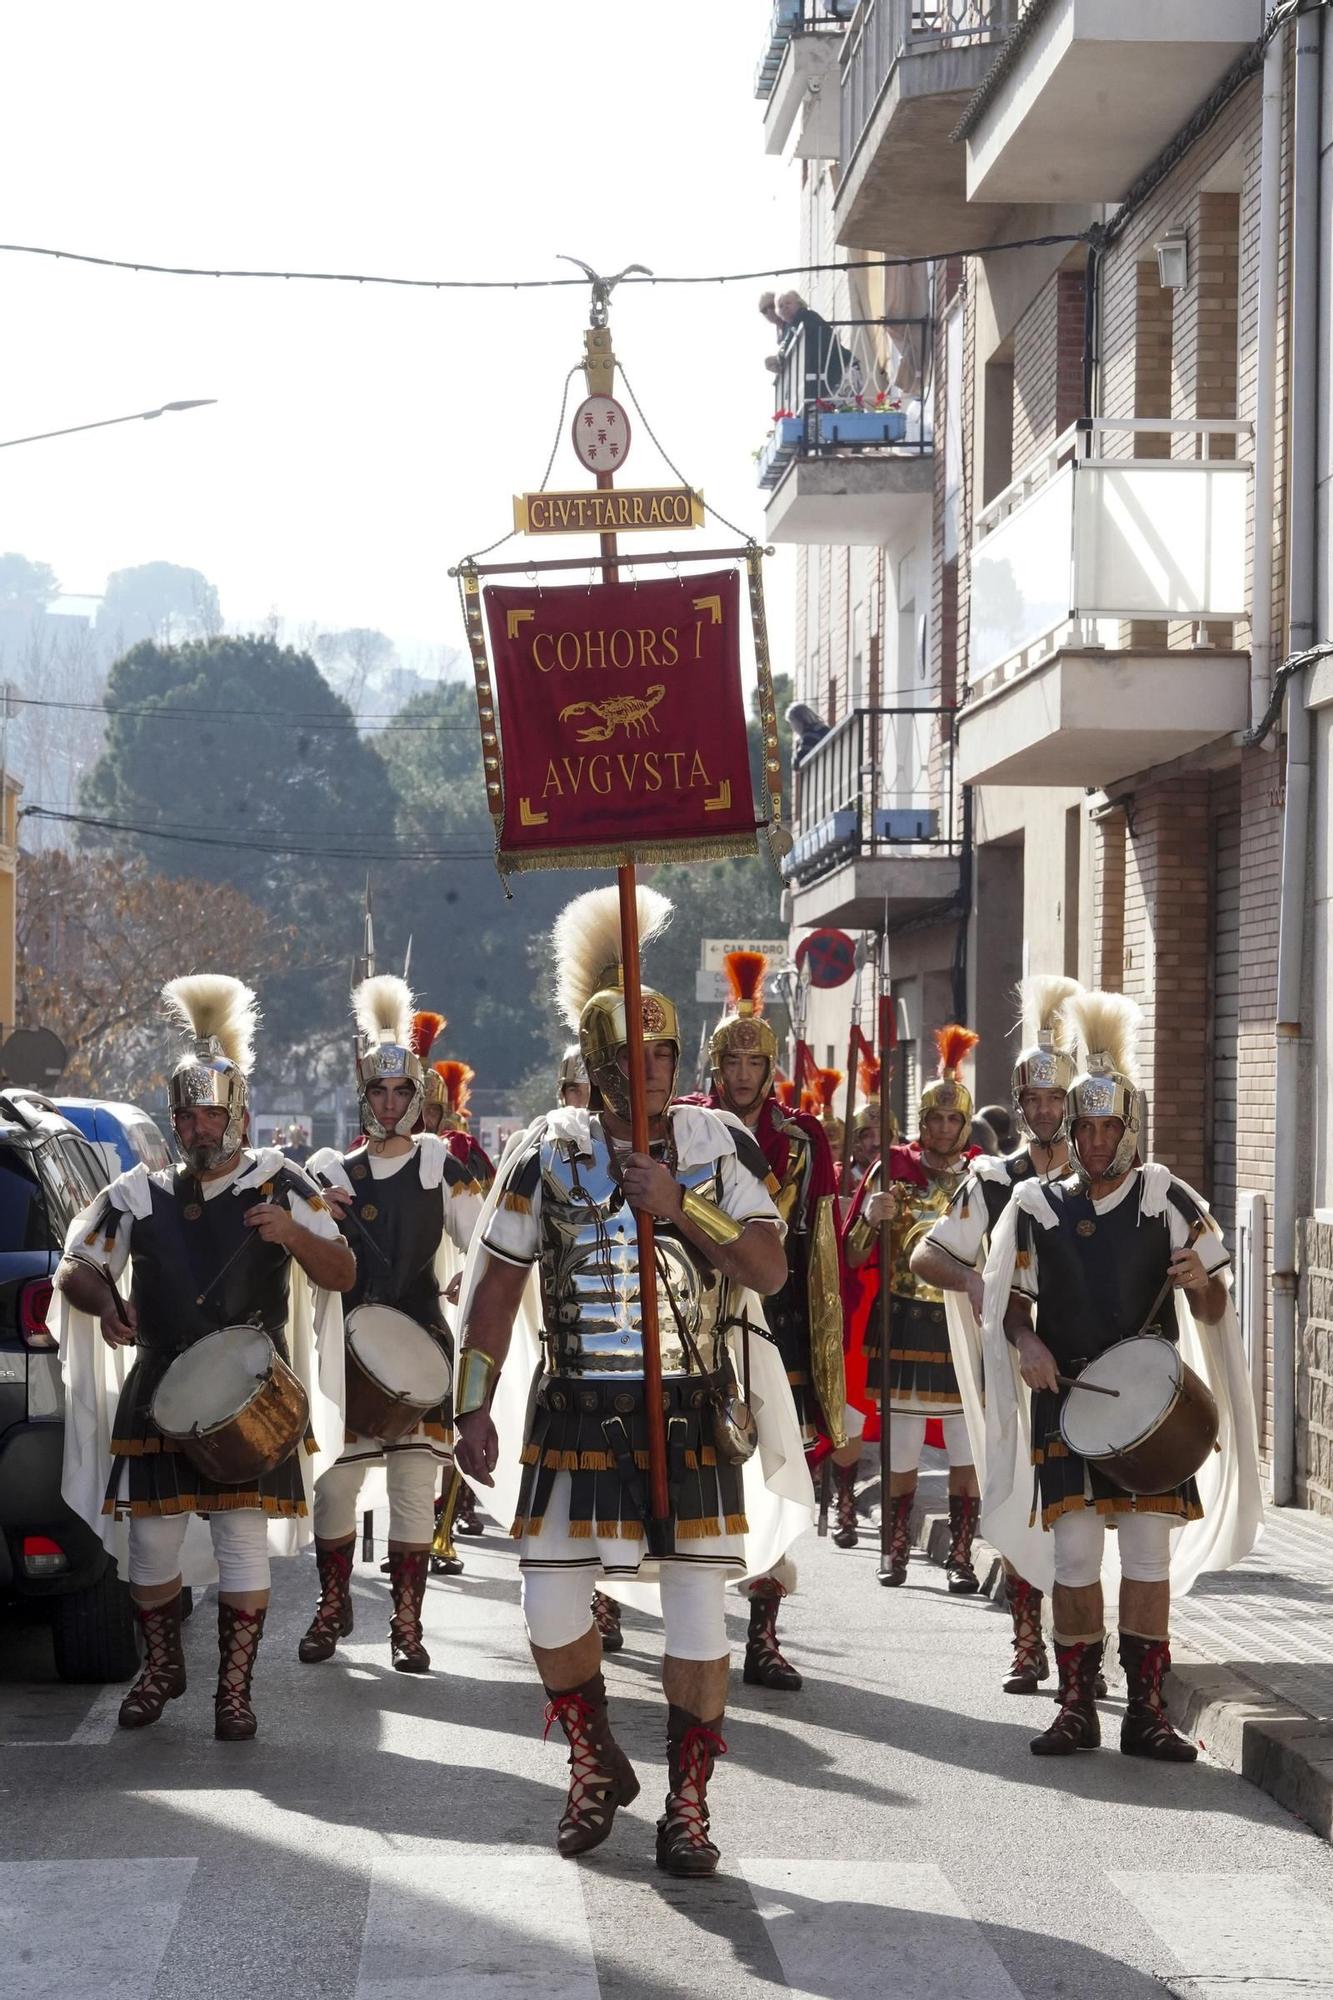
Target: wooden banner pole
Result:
[[888, 1036]]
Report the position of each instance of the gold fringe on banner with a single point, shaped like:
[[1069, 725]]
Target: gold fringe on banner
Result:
[[644, 853]]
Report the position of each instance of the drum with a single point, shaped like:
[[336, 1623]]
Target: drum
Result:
[[395, 1373], [1158, 1428], [232, 1405]]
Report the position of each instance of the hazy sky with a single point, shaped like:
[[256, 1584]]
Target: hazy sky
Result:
[[365, 438]]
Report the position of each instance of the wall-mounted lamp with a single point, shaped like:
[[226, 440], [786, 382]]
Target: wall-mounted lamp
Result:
[[1173, 260]]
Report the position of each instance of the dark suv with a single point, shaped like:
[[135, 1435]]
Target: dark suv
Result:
[[48, 1172]]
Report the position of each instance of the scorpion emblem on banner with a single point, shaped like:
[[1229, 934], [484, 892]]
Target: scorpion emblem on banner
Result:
[[630, 712]]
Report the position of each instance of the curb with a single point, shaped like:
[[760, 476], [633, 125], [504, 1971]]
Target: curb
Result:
[[1242, 1726]]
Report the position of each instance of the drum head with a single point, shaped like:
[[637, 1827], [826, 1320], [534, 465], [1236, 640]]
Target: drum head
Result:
[[1146, 1373], [212, 1380], [398, 1354]]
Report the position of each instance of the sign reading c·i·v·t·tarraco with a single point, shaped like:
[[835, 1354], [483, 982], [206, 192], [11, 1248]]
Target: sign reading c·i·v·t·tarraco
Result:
[[619, 724]]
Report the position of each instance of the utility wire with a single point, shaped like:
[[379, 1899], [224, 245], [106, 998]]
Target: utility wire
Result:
[[323, 850], [286, 718]]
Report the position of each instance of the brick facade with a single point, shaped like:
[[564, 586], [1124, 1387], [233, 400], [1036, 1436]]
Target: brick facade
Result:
[[1314, 1370]]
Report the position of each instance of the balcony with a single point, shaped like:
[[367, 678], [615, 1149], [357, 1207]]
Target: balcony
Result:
[[797, 77], [1078, 568], [848, 460], [875, 820], [1088, 92], [910, 68]]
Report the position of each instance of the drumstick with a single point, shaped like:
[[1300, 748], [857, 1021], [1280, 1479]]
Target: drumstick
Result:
[[349, 1215], [1196, 1231], [1093, 1388]]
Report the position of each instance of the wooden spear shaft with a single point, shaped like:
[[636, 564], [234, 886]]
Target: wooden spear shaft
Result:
[[884, 1303]]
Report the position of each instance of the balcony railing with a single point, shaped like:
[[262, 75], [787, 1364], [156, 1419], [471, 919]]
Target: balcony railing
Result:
[[789, 19], [882, 31], [849, 385], [1089, 537], [880, 783]]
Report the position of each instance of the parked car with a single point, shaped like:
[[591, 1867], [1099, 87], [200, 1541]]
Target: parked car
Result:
[[48, 1172], [126, 1136]]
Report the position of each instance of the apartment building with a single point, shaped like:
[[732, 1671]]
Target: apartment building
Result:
[[1054, 490]]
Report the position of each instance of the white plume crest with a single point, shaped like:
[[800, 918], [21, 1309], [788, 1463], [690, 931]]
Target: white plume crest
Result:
[[1105, 1024], [1041, 998], [213, 1004], [385, 1003], [586, 939]]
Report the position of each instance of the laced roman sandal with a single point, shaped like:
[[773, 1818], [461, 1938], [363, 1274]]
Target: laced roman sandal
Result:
[[606, 1617], [601, 1777], [964, 1513], [1077, 1726], [239, 1633], [846, 1533], [1031, 1662], [161, 1678], [466, 1519], [764, 1664], [894, 1571], [333, 1619], [683, 1843], [1146, 1728], [407, 1581]]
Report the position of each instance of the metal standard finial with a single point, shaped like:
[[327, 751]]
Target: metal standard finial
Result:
[[599, 310]]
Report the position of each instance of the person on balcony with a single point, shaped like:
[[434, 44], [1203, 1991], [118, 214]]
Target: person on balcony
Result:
[[829, 367], [921, 1180]]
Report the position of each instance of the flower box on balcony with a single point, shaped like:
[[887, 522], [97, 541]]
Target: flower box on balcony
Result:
[[862, 427], [778, 449]]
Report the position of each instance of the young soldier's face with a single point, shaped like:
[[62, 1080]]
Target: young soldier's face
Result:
[[389, 1100], [865, 1145], [1095, 1141], [1044, 1111], [575, 1096], [942, 1131], [744, 1077]]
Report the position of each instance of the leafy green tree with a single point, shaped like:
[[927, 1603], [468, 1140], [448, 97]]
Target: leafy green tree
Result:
[[233, 758]]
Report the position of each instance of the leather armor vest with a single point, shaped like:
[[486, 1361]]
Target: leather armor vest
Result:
[[996, 1193], [590, 1269], [176, 1252], [406, 1221], [1097, 1275]]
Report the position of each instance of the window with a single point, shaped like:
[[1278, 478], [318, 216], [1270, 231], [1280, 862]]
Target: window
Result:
[[24, 1224]]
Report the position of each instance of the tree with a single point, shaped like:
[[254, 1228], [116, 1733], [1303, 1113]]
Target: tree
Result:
[[26, 587], [158, 600], [353, 658], [98, 937], [236, 753]]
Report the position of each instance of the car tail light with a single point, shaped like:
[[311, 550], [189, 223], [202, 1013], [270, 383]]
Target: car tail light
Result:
[[42, 1556], [34, 1305]]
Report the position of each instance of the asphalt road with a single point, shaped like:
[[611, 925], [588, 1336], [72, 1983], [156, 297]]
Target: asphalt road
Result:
[[884, 1833]]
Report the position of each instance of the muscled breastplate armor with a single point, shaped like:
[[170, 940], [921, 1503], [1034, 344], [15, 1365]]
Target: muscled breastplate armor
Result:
[[405, 1221], [1097, 1276], [590, 1269], [919, 1209], [178, 1249]]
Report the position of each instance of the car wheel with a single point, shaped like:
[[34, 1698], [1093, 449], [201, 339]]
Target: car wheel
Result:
[[93, 1633]]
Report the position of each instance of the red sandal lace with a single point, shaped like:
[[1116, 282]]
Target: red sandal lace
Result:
[[601, 1778], [684, 1846], [333, 1618], [1146, 1728], [162, 1677], [239, 1633], [1077, 1726], [1031, 1663], [606, 1617], [407, 1581], [765, 1665]]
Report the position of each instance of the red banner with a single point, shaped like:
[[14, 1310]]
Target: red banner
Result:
[[621, 722]]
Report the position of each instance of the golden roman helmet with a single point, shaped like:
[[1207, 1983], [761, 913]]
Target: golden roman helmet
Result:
[[383, 1010], [219, 1014], [946, 1090], [742, 1029], [1105, 1028], [427, 1027], [1045, 1058], [590, 986]]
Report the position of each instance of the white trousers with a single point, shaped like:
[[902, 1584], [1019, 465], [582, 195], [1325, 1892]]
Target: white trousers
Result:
[[410, 1477], [240, 1548], [907, 1440], [1080, 1538], [555, 1608]]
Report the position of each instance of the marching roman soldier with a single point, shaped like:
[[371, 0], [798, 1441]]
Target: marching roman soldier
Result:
[[560, 1216], [210, 1245], [922, 1179], [1116, 1249], [952, 1256], [805, 1316], [401, 1195], [865, 1129]]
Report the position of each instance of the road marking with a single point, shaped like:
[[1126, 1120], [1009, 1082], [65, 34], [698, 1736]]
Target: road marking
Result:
[[461, 1925], [88, 1930], [876, 1927], [1266, 1936], [99, 1725]]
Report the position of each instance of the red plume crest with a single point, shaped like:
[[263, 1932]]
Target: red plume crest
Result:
[[955, 1043], [457, 1077], [426, 1027], [869, 1073], [784, 1089], [745, 975], [826, 1083]]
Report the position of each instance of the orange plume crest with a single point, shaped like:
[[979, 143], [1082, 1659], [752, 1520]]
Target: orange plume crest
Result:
[[869, 1074], [826, 1083], [955, 1043], [784, 1089], [426, 1028], [457, 1078], [745, 976]]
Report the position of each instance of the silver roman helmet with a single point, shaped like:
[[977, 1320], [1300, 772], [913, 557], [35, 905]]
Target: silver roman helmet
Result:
[[590, 986], [1045, 1058], [219, 1015], [1105, 1028], [383, 1008], [572, 1070]]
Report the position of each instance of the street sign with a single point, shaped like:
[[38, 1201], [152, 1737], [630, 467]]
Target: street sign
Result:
[[716, 949], [620, 510], [711, 988], [34, 1058], [828, 956]]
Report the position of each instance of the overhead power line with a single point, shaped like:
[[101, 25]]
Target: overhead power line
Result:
[[295, 719], [319, 847]]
